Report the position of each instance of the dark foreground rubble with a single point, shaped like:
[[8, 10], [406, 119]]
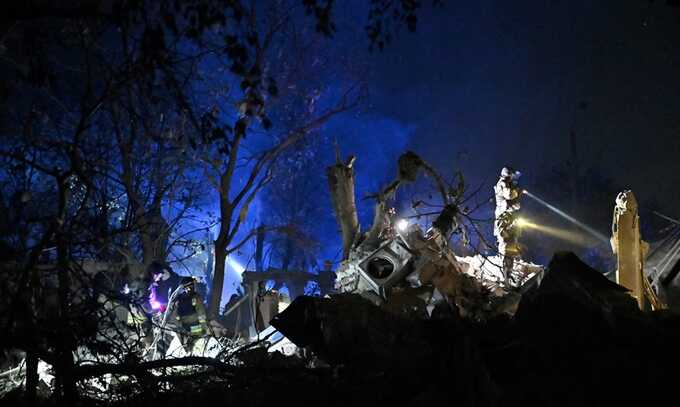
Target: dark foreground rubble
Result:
[[577, 339]]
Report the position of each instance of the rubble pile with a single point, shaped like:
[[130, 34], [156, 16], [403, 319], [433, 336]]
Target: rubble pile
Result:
[[576, 339], [424, 266], [488, 272], [394, 259], [414, 324]]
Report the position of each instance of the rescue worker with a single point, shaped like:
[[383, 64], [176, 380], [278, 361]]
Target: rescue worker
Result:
[[506, 231], [163, 282], [191, 315]]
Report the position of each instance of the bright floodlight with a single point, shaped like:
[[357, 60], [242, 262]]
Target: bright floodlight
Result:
[[402, 224], [521, 222]]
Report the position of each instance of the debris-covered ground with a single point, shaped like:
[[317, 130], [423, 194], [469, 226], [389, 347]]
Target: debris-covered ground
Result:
[[576, 339], [412, 323]]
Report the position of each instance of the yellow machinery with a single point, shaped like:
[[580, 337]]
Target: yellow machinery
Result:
[[631, 251]]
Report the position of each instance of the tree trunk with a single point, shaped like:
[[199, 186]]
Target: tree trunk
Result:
[[372, 237], [341, 184], [65, 384], [148, 220], [218, 278], [210, 269], [259, 249], [31, 377], [154, 237], [287, 254]]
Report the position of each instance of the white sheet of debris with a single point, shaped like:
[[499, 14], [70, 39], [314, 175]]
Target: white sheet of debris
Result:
[[488, 269]]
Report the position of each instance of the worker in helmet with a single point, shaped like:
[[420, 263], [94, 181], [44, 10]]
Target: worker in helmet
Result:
[[506, 231], [190, 313], [163, 282]]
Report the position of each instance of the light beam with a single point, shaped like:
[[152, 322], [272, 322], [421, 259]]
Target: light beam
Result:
[[570, 218], [235, 265]]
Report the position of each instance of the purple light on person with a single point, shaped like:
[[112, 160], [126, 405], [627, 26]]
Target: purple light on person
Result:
[[155, 304]]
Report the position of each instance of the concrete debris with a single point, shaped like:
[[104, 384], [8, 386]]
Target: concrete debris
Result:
[[415, 259], [489, 271], [393, 256], [574, 337]]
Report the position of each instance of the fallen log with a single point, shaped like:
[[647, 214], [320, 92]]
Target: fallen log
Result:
[[142, 368]]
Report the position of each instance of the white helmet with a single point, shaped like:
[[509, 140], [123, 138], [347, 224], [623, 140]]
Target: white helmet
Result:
[[509, 172]]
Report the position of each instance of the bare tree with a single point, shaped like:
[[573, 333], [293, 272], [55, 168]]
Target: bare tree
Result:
[[341, 185], [292, 200], [112, 102], [244, 172]]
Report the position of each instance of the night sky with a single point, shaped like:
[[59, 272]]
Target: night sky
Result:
[[485, 83], [141, 137]]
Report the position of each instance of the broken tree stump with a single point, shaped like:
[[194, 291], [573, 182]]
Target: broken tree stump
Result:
[[341, 185]]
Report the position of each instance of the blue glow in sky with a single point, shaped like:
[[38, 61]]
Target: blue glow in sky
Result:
[[485, 84]]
